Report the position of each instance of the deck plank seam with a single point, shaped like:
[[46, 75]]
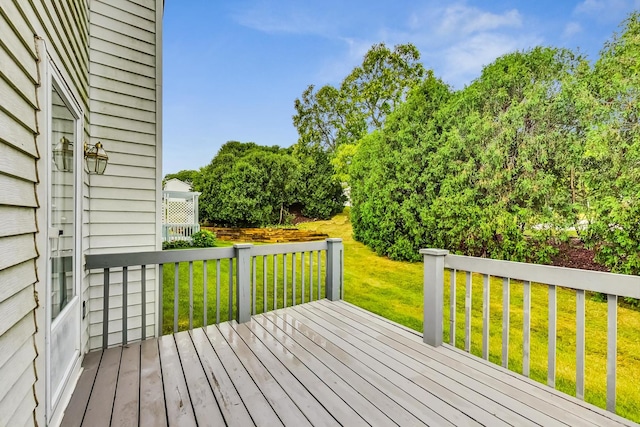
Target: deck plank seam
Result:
[[93, 383], [434, 375], [425, 408], [268, 402], [540, 387], [206, 377], [441, 373], [115, 391], [330, 369], [290, 372], [232, 325], [453, 413], [355, 372], [311, 371], [164, 393]]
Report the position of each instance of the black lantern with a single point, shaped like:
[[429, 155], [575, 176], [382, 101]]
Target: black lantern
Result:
[[63, 155], [96, 158]]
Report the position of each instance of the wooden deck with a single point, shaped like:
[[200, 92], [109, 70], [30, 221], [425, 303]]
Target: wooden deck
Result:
[[321, 363]]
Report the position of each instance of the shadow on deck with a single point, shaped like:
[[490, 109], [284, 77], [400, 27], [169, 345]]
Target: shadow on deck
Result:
[[320, 363]]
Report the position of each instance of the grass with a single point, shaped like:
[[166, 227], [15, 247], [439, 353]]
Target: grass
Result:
[[223, 308], [393, 289]]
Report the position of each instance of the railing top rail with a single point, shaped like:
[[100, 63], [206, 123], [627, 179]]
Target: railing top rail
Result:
[[98, 261], [285, 248], [155, 257], [595, 281]]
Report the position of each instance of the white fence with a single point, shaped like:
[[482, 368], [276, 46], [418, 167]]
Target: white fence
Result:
[[613, 285]]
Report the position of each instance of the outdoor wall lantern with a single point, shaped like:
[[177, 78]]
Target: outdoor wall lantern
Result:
[[96, 158], [63, 155]]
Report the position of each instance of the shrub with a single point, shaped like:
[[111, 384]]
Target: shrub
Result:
[[203, 239], [176, 244]]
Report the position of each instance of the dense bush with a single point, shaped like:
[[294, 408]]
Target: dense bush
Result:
[[247, 185], [203, 239], [541, 142], [482, 171], [176, 244]]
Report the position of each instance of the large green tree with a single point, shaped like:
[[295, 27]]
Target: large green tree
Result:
[[336, 118], [249, 185], [611, 157], [483, 172]]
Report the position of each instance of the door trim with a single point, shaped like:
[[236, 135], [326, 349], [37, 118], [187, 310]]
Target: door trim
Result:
[[55, 400]]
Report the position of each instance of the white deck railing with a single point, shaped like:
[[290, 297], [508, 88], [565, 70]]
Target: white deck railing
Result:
[[171, 232], [613, 285], [242, 260]]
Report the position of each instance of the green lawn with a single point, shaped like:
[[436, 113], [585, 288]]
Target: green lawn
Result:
[[393, 289], [220, 310]]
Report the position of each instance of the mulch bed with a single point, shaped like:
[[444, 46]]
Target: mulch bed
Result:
[[573, 254]]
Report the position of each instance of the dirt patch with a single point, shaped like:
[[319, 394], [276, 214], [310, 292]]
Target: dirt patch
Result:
[[574, 254], [266, 235]]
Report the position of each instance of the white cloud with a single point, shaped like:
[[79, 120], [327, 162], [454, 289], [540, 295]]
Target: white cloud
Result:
[[335, 69], [468, 20], [458, 40], [571, 29], [464, 60], [606, 10], [281, 20]]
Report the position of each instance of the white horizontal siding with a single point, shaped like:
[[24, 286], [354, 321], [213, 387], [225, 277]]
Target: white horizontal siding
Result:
[[20, 391], [15, 250], [18, 362], [122, 87], [18, 175], [125, 12], [15, 134], [17, 192], [17, 106], [134, 56], [63, 25], [118, 110], [16, 76], [109, 35], [16, 220], [122, 123], [120, 217], [16, 278], [16, 307], [17, 163], [20, 27], [101, 95], [124, 113]]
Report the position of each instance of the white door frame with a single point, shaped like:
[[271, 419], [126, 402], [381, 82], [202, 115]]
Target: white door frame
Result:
[[56, 400]]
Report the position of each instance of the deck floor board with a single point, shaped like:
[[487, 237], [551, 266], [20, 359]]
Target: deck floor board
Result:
[[321, 363]]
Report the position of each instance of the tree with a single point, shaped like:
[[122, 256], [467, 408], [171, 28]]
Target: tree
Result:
[[389, 191], [318, 191], [248, 185], [188, 176], [611, 159], [333, 116], [325, 118], [484, 171]]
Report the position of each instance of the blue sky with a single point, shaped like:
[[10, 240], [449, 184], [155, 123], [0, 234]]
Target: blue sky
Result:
[[232, 69]]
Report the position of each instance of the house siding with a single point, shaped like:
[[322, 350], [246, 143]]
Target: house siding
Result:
[[124, 106], [122, 84], [18, 177]]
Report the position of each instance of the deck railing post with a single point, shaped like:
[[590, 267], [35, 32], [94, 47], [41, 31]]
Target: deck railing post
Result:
[[433, 295], [334, 275], [243, 281]]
